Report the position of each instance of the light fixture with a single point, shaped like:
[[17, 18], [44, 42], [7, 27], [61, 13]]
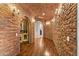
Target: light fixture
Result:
[[56, 11], [13, 9], [48, 23], [33, 20], [43, 14], [60, 9]]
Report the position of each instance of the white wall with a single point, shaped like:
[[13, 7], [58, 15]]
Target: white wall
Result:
[[38, 27]]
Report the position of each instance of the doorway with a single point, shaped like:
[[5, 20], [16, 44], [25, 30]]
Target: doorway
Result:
[[24, 30], [38, 29]]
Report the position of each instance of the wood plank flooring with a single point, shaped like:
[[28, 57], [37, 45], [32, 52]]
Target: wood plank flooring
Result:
[[41, 47]]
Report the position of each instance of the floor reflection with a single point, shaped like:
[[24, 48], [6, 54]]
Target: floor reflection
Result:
[[39, 42], [41, 47], [47, 53]]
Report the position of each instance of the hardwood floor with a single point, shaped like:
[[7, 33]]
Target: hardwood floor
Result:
[[41, 47]]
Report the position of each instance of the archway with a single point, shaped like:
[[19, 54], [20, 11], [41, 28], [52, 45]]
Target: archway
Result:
[[24, 30], [38, 29]]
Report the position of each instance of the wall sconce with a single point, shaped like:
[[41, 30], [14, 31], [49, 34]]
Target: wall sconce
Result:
[[60, 9], [56, 11], [13, 9], [15, 12]]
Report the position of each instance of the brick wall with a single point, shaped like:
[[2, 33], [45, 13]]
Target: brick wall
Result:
[[9, 26], [65, 25], [9, 41]]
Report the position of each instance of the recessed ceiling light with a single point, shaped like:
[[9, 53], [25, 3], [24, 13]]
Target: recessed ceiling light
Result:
[[43, 14], [33, 20]]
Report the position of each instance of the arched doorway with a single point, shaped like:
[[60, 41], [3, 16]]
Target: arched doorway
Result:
[[24, 30], [38, 29]]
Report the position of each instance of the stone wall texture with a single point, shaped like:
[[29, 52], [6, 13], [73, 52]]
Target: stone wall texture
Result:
[[9, 32], [63, 31]]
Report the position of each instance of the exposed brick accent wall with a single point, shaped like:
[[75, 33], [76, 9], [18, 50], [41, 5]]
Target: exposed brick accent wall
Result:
[[9, 42], [9, 26], [65, 25]]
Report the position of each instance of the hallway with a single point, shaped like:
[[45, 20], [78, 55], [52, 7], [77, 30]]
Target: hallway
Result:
[[42, 47], [21, 23]]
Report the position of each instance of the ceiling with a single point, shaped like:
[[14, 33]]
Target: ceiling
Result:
[[38, 10]]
